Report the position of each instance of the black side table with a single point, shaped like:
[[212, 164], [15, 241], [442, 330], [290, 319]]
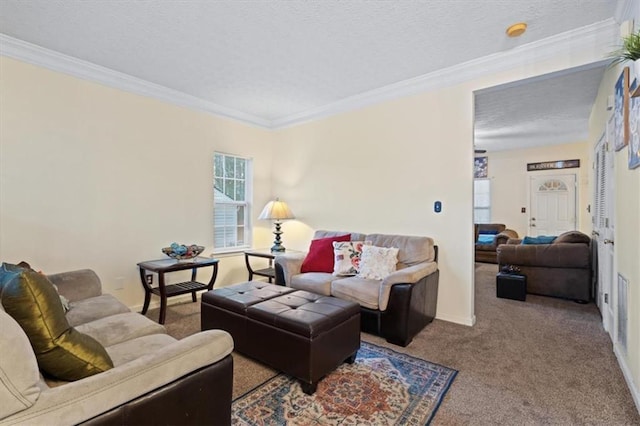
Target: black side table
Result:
[[268, 272], [511, 286], [163, 266]]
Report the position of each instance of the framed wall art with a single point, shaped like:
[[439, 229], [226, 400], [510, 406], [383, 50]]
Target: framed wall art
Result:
[[480, 167], [621, 111], [634, 128]]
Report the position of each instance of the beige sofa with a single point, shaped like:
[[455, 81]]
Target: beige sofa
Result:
[[396, 307], [155, 378]]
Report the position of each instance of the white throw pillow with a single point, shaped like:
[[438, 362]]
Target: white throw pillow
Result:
[[377, 262], [346, 257]]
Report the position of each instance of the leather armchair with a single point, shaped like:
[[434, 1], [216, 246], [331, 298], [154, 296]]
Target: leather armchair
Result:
[[487, 252]]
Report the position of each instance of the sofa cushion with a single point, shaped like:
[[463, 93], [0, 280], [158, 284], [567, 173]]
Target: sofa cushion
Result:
[[572, 237], [19, 373], [320, 255], [315, 282], [412, 249], [355, 236], [61, 351], [94, 308], [363, 291], [124, 352], [490, 228], [377, 262], [118, 328], [346, 257]]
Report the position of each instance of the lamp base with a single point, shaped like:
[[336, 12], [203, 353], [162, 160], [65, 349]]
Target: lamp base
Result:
[[277, 248], [277, 243]]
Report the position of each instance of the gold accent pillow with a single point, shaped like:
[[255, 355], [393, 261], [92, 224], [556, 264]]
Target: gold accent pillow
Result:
[[61, 351]]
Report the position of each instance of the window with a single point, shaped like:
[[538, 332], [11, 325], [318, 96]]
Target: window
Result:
[[231, 207], [482, 201]]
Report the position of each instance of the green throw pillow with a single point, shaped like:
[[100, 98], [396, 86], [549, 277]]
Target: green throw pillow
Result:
[[62, 352]]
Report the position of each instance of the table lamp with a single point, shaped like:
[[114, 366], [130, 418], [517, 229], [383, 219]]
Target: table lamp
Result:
[[277, 211]]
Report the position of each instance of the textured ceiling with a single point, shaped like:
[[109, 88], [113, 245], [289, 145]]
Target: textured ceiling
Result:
[[553, 108], [275, 59]]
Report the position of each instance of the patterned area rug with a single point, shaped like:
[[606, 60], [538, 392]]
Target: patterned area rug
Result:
[[383, 387]]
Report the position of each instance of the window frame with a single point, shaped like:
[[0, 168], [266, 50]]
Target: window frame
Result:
[[247, 203], [476, 207]]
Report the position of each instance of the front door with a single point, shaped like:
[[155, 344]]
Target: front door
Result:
[[553, 204]]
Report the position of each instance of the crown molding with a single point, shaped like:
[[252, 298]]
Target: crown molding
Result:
[[36, 55], [597, 38]]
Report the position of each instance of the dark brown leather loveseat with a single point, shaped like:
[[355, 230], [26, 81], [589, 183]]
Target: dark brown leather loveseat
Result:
[[397, 307], [487, 252], [560, 269]]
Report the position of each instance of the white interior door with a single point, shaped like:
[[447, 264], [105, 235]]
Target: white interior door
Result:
[[603, 228], [552, 204]]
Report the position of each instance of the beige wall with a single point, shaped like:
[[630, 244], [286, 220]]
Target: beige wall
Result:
[[510, 182], [627, 230], [88, 166], [93, 177], [380, 169]]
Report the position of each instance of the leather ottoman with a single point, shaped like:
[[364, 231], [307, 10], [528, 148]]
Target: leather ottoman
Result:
[[302, 334]]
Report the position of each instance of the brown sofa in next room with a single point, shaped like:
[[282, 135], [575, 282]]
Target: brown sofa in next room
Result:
[[560, 269], [487, 252]]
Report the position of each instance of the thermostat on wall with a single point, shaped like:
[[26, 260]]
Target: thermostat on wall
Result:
[[437, 206]]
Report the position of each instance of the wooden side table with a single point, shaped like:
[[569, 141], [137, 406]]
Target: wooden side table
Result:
[[163, 266], [269, 271]]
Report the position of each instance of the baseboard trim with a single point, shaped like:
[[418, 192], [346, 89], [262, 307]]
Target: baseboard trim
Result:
[[628, 377], [469, 321]]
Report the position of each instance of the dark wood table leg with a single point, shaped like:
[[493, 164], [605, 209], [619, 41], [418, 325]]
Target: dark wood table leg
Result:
[[163, 298], [246, 260], [213, 277], [194, 273], [147, 291]]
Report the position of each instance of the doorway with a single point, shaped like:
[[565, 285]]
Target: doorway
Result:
[[552, 204]]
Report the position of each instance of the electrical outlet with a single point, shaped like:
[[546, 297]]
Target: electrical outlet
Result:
[[149, 278]]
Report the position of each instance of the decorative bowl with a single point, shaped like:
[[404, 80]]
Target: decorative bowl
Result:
[[182, 252]]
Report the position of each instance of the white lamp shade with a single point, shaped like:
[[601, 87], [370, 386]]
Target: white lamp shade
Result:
[[276, 210]]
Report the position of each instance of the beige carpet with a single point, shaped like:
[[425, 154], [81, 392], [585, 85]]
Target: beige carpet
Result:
[[543, 361]]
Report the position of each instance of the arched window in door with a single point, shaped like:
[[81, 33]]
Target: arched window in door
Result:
[[553, 185]]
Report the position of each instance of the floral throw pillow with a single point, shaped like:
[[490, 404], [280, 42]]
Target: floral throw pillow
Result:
[[346, 256], [377, 263]]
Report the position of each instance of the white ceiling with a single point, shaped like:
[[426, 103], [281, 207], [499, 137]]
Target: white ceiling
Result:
[[546, 110], [271, 61]]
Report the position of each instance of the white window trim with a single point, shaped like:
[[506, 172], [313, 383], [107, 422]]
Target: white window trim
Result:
[[248, 235], [485, 208]]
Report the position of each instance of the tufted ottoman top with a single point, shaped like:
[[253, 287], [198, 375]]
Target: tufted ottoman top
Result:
[[239, 297], [304, 313]]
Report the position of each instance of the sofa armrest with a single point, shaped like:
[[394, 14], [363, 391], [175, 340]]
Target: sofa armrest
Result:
[[77, 285], [84, 399], [504, 236], [290, 263], [514, 241], [409, 275], [562, 255]]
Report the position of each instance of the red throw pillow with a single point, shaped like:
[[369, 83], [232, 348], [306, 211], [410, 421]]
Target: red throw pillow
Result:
[[320, 256]]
